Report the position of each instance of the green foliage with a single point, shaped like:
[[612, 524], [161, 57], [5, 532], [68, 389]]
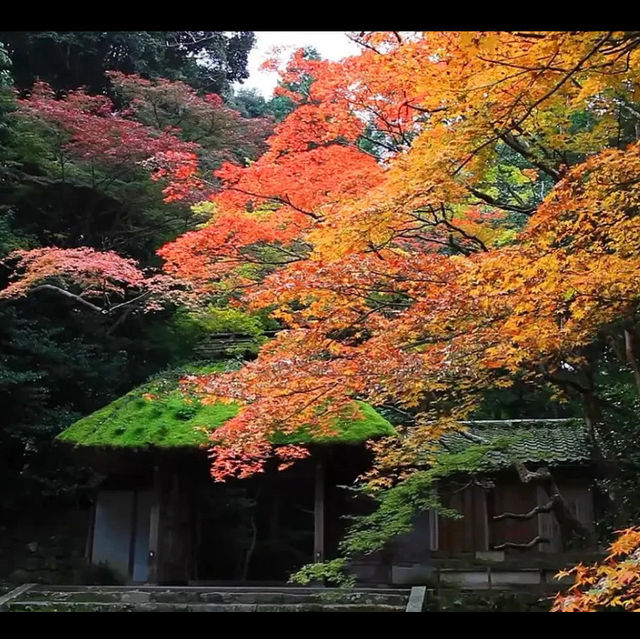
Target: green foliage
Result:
[[56, 200], [6, 79], [394, 514], [332, 572], [523, 400], [40, 357], [397, 507], [185, 335], [174, 337], [229, 320], [618, 435], [11, 240], [250, 103], [280, 106], [208, 60], [374, 142]]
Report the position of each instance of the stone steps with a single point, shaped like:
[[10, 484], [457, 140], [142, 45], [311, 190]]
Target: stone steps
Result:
[[55, 606], [37, 598]]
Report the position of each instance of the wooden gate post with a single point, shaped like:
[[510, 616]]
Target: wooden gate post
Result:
[[154, 528]]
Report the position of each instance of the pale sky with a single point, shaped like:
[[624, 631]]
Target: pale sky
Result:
[[331, 45]]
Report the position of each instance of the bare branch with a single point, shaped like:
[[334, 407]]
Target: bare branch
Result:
[[73, 296], [545, 508], [78, 298], [534, 542]]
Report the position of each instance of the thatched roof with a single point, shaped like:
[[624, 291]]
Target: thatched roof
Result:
[[158, 415]]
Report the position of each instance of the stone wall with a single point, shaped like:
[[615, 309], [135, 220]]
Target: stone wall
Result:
[[45, 547]]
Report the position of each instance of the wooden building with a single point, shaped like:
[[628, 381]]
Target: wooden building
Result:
[[158, 517], [483, 534], [561, 445]]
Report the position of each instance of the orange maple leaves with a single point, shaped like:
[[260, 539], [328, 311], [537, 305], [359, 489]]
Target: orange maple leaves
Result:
[[438, 213], [402, 277], [613, 584]]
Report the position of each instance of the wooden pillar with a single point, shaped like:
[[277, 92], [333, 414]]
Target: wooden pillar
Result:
[[154, 528], [88, 549], [485, 518], [132, 536], [175, 532], [318, 512]]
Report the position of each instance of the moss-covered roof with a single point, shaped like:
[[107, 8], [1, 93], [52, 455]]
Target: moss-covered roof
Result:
[[158, 415], [549, 441]]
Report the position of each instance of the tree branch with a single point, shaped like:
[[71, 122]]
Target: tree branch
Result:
[[84, 302], [73, 296], [526, 210], [545, 508], [527, 476], [534, 542], [523, 149]]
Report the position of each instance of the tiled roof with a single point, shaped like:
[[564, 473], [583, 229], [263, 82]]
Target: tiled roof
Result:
[[551, 441]]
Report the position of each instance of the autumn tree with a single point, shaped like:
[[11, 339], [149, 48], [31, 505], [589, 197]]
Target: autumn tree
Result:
[[487, 239]]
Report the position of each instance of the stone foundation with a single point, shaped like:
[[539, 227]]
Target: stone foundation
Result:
[[45, 547]]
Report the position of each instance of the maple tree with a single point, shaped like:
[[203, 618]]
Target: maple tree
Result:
[[101, 281], [612, 585], [89, 128], [163, 126], [89, 132], [220, 132], [459, 253]]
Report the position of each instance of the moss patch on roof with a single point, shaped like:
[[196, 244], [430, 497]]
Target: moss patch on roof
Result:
[[348, 431], [157, 414]]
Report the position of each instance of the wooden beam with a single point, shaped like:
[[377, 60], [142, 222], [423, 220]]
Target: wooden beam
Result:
[[485, 520], [318, 512]]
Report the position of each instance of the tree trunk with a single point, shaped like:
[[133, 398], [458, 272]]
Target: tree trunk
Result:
[[631, 352]]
